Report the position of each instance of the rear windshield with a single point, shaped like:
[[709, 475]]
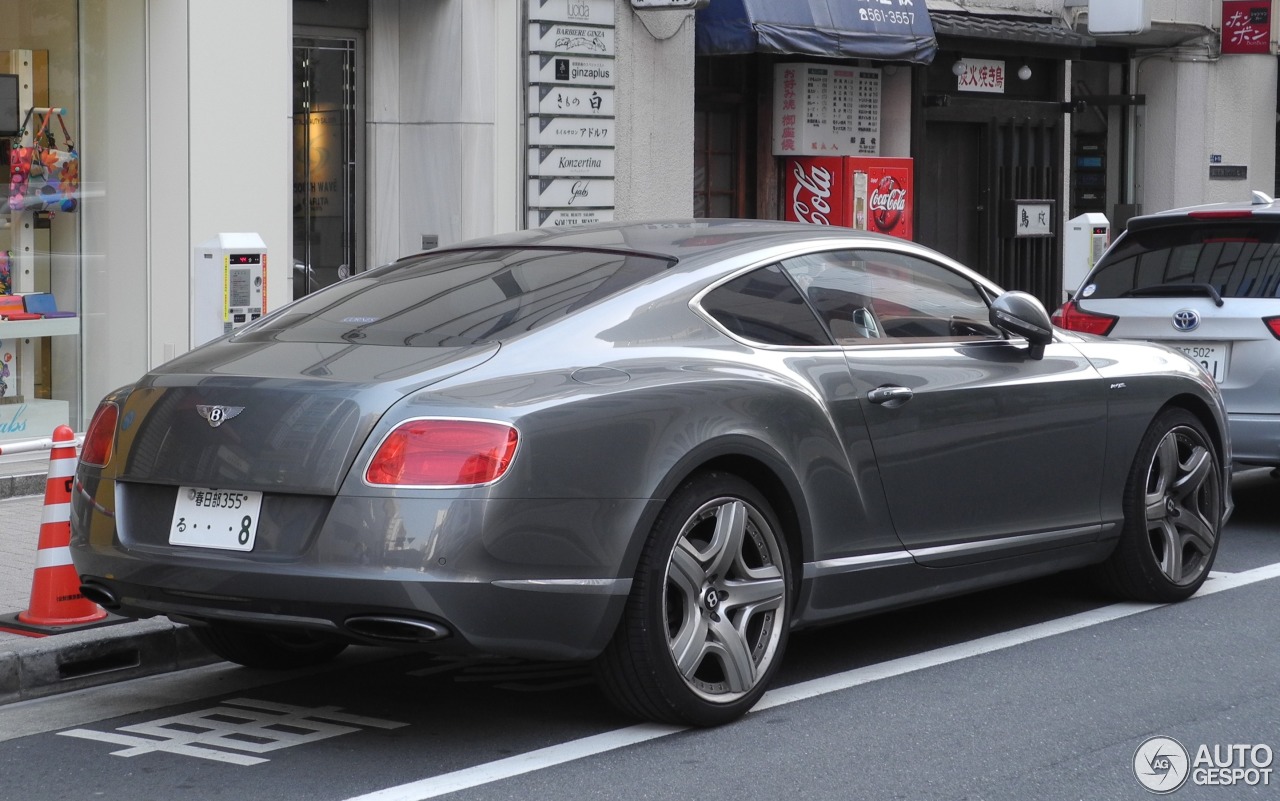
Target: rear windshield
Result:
[[1239, 260], [458, 298]]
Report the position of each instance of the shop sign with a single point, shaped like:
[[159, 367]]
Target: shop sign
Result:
[[318, 188], [579, 40], [575, 100], [545, 68], [1031, 218], [566, 161], [567, 218], [28, 420], [571, 131], [571, 125], [826, 110], [550, 193], [1246, 26], [582, 12], [979, 75], [1229, 172]]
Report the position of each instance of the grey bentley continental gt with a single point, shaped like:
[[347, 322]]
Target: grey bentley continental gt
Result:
[[657, 447]]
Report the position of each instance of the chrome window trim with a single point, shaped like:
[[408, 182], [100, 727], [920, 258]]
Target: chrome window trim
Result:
[[779, 254]]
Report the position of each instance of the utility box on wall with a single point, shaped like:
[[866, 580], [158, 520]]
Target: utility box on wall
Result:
[[1119, 17], [228, 285]]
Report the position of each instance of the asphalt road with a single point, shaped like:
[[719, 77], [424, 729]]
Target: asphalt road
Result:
[[1031, 692]]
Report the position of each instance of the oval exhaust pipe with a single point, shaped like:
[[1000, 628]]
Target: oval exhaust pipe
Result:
[[389, 628], [100, 595]]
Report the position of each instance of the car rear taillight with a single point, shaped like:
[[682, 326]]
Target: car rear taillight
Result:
[[443, 453], [1273, 325], [100, 439], [1073, 318]]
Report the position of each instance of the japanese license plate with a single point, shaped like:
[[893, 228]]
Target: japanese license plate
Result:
[[215, 518], [1212, 356]]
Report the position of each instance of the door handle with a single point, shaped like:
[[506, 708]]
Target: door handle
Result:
[[890, 396]]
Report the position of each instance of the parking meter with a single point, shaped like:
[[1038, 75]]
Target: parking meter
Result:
[[1087, 237], [228, 285]]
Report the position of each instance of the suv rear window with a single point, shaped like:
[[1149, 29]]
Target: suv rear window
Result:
[[1238, 259], [456, 298]]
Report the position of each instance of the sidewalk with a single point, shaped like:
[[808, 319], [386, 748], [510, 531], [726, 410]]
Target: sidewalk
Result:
[[35, 666]]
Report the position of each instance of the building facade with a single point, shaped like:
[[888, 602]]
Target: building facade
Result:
[[311, 140]]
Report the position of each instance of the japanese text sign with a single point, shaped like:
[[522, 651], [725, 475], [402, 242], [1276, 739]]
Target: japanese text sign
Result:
[[1246, 26]]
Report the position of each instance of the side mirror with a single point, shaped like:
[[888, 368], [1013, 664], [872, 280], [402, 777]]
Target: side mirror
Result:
[[1022, 315]]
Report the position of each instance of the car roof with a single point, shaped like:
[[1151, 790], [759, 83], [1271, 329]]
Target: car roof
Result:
[[681, 239], [1262, 207]]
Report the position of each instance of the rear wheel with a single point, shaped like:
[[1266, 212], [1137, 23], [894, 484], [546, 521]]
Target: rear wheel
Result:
[[706, 624], [258, 648], [1173, 512]]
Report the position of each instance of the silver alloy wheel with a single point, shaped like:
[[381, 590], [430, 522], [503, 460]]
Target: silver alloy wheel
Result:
[[1182, 502], [723, 596]]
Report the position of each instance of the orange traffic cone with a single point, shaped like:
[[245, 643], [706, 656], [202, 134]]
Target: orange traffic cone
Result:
[[55, 589]]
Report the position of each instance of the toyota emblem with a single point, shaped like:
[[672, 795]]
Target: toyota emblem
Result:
[[1186, 319]]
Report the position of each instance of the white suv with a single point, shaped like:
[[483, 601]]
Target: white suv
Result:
[[1204, 280]]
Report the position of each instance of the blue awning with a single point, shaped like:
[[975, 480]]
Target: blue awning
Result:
[[885, 30]]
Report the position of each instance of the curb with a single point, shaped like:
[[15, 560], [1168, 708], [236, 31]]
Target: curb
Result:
[[59, 663], [17, 486], [38, 667]]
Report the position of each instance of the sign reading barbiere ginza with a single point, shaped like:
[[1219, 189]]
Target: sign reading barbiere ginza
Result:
[[571, 112], [566, 37]]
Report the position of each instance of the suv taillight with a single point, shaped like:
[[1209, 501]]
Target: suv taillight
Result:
[[1073, 318], [1273, 325], [99, 439], [443, 453]]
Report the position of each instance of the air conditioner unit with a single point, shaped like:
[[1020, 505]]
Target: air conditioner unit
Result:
[[1119, 17]]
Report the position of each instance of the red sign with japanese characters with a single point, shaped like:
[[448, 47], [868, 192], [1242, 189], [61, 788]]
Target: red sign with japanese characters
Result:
[[1246, 26]]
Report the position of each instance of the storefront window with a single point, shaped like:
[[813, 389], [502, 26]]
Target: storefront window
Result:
[[43, 201]]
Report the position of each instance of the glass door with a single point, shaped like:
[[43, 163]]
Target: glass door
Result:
[[328, 148]]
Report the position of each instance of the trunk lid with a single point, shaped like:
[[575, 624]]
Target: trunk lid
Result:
[[272, 416]]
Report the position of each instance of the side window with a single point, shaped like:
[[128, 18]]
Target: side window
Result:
[[868, 295], [763, 306]]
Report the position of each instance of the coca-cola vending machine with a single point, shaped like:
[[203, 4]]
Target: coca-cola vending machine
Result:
[[870, 194]]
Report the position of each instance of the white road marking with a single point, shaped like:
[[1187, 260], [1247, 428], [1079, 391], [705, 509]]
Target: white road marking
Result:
[[241, 724], [92, 704], [551, 756]]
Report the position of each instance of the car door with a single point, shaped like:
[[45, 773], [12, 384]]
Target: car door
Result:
[[851, 524], [983, 449]]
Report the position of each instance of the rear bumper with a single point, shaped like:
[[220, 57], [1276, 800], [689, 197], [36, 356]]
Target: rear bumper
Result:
[[511, 577], [534, 621], [1255, 439]]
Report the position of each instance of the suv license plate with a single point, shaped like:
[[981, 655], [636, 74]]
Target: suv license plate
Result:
[[1212, 356], [215, 518]]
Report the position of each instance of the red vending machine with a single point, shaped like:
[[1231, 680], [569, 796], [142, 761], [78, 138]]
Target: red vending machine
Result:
[[863, 192]]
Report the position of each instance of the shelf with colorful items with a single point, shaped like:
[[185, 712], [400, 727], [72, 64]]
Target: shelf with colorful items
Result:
[[43, 180]]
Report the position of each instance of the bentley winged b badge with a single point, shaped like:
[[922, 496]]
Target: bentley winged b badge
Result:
[[217, 415]]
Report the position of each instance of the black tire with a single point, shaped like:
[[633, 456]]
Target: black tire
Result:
[[706, 624], [1173, 513], [270, 650]]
